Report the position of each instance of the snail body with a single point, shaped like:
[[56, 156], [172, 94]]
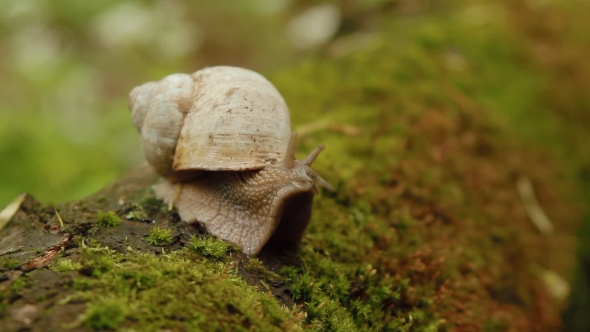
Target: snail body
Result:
[[222, 141]]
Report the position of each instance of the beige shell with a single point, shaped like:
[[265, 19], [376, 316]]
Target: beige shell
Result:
[[218, 118]]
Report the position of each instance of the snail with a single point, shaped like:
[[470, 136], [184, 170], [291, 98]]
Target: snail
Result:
[[222, 141]]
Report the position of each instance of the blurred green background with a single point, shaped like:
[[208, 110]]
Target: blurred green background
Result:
[[67, 67]]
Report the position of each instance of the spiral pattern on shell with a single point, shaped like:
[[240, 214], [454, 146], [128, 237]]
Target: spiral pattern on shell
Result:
[[218, 118]]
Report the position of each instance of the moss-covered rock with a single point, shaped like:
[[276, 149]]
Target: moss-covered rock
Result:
[[427, 230]]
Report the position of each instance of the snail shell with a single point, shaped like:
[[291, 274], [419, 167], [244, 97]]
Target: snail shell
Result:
[[218, 118], [221, 138]]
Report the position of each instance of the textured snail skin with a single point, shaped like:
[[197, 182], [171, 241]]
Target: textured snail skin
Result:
[[247, 207]]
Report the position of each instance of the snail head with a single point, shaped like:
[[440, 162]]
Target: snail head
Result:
[[300, 172]]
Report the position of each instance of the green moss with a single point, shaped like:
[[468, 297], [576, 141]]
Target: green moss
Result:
[[81, 284], [495, 325], [97, 261], [425, 203], [136, 215], [19, 283], [255, 266], [381, 252], [108, 218], [159, 236], [105, 314], [64, 265], [176, 291], [8, 263], [347, 297], [210, 246]]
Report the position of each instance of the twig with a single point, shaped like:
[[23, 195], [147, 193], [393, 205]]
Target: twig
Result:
[[532, 207], [61, 222], [10, 210]]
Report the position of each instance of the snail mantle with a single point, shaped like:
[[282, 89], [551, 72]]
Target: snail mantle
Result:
[[221, 139]]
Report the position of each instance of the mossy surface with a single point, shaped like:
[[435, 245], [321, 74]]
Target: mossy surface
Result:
[[159, 236], [211, 247], [428, 127], [108, 219], [426, 195], [181, 290]]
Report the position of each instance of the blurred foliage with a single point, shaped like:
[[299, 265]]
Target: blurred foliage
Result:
[[67, 69]]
